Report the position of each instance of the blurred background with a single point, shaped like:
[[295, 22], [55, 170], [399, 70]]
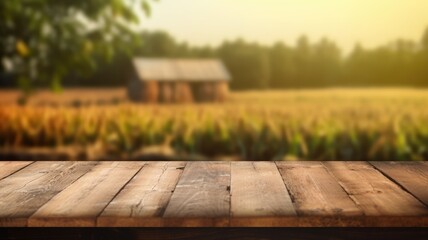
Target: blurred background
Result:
[[289, 80]]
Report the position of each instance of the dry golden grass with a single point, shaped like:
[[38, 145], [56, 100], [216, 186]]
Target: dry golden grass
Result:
[[332, 124], [74, 96]]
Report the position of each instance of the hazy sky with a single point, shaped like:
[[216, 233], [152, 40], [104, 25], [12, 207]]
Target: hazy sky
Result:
[[371, 22]]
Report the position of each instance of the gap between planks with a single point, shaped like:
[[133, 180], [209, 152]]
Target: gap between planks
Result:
[[374, 193], [412, 177], [143, 200], [81, 202], [25, 191], [242, 198], [10, 167]]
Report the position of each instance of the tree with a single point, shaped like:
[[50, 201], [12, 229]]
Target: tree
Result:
[[355, 72], [248, 64], [283, 68], [303, 60], [403, 59], [326, 64], [422, 60], [158, 44], [44, 40]]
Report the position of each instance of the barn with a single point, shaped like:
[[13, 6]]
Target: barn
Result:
[[158, 80]]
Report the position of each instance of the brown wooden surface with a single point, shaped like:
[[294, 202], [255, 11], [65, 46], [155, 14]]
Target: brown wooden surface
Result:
[[145, 197], [413, 176], [22, 193], [258, 190], [82, 202], [185, 194], [7, 168], [374, 193], [315, 192], [201, 195]]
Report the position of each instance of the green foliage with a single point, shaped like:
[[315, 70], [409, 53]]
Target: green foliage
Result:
[[283, 67], [248, 64], [45, 40], [157, 44]]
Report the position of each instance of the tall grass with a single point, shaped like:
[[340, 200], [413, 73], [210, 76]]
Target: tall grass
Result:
[[310, 125]]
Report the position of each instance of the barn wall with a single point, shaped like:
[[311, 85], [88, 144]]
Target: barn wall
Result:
[[221, 91], [182, 92], [203, 91], [207, 89], [150, 91], [210, 91], [166, 92], [179, 92], [196, 91]]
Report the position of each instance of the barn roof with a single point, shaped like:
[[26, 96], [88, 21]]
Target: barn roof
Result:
[[163, 69]]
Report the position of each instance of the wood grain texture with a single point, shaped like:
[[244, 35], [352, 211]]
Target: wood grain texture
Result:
[[145, 197], [201, 196], [413, 176], [235, 194], [81, 203], [314, 191], [375, 194], [22, 193], [8, 168], [257, 190]]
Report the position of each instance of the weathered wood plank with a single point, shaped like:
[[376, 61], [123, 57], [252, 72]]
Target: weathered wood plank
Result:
[[375, 194], [201, 197], [130, 194], [413, 176], [258, 190], [314, 191], [8, 168], [144, 198], [81, 203], [22, 193]]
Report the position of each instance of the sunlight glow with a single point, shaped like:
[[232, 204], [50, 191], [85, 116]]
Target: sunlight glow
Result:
[[266, 21]]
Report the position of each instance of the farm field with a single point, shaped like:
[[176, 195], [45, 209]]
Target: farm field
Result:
[[330, 124]]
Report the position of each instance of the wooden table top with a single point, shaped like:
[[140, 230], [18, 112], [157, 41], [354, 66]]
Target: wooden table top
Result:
[[193, 194]]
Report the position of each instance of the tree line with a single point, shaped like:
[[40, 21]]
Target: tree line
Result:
[[305, 64], [58, 49], [91, 43]]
